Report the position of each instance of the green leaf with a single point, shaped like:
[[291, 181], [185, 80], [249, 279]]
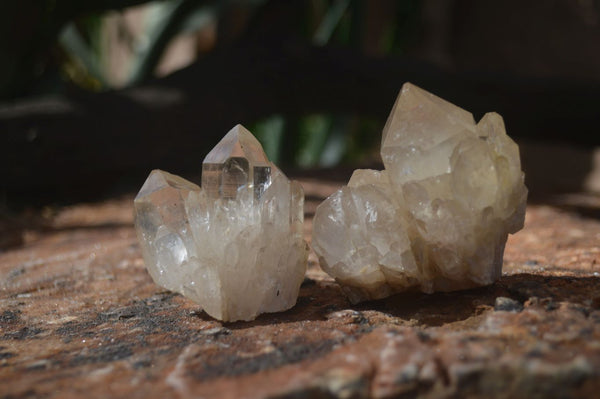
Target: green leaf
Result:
[[172, 18], [335, 146], [330, 21], [72, 42], [314, 131], [269, 132]]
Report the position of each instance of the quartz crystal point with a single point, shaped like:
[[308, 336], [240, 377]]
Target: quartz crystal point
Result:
[[233, 246], [437, 217]]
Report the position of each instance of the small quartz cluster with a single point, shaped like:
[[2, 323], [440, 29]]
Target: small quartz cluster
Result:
[[437, 217], [234, 246]]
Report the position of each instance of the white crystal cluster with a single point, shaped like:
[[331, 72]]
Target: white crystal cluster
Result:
[[437, 217], [233, 246]]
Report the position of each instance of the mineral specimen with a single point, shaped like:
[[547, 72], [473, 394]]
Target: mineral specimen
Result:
[[233, 246], [437, 217]]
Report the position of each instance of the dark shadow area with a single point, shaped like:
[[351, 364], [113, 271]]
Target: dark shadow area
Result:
[[553, 168], [314, 302], [585, 205], [440, 308], [90, 165], [433, 310], [70, 144], [339, 174], [314, 198], [13, 229]]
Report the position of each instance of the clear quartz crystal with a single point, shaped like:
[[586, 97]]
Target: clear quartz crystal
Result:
[[237, 162], [437, 217], [234, 246]]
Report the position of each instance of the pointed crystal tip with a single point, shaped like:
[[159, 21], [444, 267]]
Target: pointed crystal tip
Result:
[[159, 179], [237, 143], [418, 114], [238, 161]]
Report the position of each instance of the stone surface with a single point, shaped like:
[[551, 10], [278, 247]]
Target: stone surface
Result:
[[80, 317], [437, 217], [507, 305], [234, 246]]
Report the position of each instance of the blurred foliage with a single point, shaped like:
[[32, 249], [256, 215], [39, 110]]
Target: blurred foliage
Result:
[[103, 50]]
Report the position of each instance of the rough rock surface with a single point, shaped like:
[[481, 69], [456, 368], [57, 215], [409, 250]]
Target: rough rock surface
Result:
[[81, 317], [437, 217]]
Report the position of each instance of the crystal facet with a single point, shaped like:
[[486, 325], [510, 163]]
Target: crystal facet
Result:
[[238, 161], [235, 245], [437, 217]]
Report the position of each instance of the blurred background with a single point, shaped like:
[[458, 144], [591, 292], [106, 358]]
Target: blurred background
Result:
[[94, 94]]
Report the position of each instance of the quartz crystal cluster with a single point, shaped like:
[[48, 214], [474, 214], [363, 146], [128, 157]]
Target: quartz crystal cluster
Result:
[[234, 246], [439, 214]]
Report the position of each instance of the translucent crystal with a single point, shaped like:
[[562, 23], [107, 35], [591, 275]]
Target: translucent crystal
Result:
[[162, 225], [437, 217], [237, 162], [234, 246]]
